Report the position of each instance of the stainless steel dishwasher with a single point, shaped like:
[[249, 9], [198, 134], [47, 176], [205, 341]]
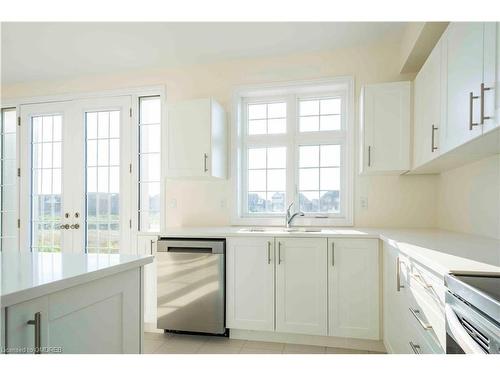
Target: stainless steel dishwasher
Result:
[[191, 285]]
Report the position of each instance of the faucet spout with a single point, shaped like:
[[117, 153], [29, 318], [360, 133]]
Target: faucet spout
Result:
[[289, 216]]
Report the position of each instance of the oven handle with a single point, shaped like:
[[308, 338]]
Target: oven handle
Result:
[[460, 335]]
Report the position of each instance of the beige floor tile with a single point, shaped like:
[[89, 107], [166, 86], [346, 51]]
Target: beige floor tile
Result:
[[225, 341], [345, 351], [303, 349], [245, 350], [154, 336], [185, 348], [218, 349], [150, 346], [265, 345]]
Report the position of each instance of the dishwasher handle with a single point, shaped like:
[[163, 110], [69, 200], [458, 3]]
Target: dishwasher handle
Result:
[[191, 246]]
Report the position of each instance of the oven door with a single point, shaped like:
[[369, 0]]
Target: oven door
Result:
[[463, 329]]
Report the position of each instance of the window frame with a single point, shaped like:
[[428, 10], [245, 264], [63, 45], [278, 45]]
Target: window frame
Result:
[[292, 93]]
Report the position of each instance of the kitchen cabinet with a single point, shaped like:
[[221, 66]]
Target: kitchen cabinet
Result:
[[301, 285], [100, 316], [353, 283], [385, 128], [469, 50], [197, 139], [428, 109], [250, 283], [146, 245]]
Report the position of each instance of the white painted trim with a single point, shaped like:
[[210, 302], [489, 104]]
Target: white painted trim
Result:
[[239, 142], [294, 338]]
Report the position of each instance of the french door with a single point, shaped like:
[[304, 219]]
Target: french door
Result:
[[75, 178]]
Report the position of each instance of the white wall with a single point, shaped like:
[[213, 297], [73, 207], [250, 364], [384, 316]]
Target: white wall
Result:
[[469, 198], [398, 201]]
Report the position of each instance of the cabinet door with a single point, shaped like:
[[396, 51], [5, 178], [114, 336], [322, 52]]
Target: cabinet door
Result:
[[146, 245], [189, 138], [21, 335], [353, 281], [301, 285], [463, 56], [250, 283], [491, 75], [428, 109], [386, 127]]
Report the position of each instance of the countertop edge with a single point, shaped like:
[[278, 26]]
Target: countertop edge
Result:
[[58, 285]]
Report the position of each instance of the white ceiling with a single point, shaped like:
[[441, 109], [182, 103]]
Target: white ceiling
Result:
[[46, 51]]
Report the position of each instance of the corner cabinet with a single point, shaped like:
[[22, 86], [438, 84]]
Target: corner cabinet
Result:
[[353, 284], [385, 128], [197, 139]]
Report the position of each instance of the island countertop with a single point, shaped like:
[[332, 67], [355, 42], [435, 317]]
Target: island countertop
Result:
[[30, 275]]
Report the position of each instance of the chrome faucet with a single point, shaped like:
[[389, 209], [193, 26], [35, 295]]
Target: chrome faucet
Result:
[[289, 217]]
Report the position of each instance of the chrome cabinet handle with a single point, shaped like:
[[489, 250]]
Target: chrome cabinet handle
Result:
[[415, 348], [483, 117], [424, 325], [151, 247], [279, 252], [398, 275], [37, 322], [369, 156], [433, 148], [333, 254], [471, 110], [205, 157], [64, 226], [268, 252], [419, 279], [75, 226]]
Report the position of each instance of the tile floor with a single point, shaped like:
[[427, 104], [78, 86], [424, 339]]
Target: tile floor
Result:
[[158, 343]]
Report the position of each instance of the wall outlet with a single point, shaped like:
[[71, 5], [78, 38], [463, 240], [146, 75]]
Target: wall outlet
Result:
[[172, 203], [222, 203], [364, 202]]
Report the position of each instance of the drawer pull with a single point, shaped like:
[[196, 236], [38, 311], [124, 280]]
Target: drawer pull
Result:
[[37, 323], [419, 279], [398, 274], [424, 325], [415, 348]]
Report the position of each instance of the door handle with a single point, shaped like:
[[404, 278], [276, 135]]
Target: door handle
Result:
[[205, 157], [483, 117], [37, 322], [64, 226], [268, 252], [279, 252], [74, 226], [369, 156], [333, 254], [433, 148], [471, 110]]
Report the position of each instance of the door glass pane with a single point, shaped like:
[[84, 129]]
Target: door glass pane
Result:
[[102, 187], [8, 188], [46, 184]]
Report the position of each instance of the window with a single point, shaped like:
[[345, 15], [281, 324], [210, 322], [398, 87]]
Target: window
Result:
[[149, 163], [294, 146], [8, 185]]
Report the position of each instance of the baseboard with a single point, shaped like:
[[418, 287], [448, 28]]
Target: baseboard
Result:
[[293, 338]]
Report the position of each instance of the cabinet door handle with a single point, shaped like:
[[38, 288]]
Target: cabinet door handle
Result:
[[398, 275], [37, 322], [268, 252], [333, 254], [151, 246], [433, 148], [205, 157], [369, 156], [424, 325], [415, 348], [471, 110], [483, 117], [279, 252]]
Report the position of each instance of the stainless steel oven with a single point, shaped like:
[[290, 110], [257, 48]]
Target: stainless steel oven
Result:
[[191, 285], [472, 314]]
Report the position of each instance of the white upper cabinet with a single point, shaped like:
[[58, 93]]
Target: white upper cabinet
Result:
[[428, 109], [250, 283], [301, 286], [197, 139], [353, 284], [385, 128], [469, 50]]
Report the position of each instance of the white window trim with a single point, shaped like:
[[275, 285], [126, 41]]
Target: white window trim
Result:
[[292, 139]]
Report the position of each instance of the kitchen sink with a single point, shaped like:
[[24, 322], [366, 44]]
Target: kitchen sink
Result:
[[281, 230]]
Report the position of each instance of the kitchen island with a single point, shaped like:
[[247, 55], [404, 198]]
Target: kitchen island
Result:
[[71, 303]]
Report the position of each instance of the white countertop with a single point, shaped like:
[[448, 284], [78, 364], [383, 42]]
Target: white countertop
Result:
[[29, 275], [442, 251]]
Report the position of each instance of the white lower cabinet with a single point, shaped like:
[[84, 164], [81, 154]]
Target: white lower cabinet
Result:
[[101, 316], [250, 283], [146, 245], [288, 285], [353, 288], [301, 286]]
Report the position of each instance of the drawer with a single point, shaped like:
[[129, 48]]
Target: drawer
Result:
[[421, 341], [430, 282]]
